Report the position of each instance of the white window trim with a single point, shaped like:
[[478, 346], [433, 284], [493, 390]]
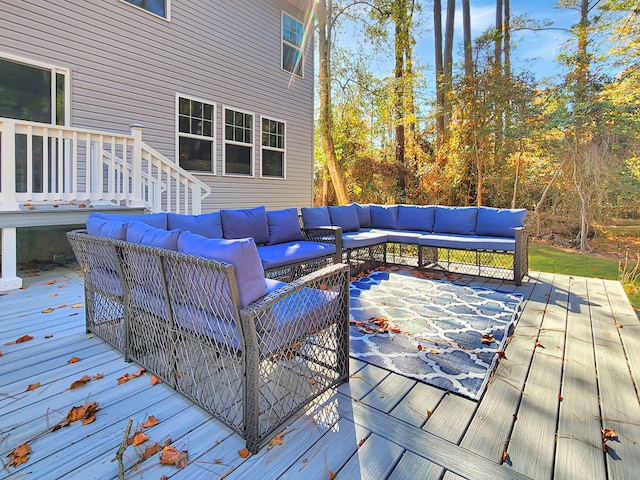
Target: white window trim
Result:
[[167, 18], [282, 42], [54, 70], [232, 142], [283, 150], [214, 139]]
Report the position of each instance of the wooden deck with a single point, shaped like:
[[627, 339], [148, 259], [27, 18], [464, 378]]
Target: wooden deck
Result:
[[571, 369]]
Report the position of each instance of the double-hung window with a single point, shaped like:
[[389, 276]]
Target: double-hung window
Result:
[[238, 142], [273, 148], [292, 45], [196, 134], [157, 7]]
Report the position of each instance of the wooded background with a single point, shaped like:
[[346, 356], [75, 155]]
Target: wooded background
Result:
[[567, 149]]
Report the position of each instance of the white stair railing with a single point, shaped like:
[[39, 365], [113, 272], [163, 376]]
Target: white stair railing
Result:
[[50, 164]]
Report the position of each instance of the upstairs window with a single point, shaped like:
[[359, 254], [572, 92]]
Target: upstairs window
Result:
[[238, 142], [157, 7], [292, 43], [196, 135], [273, 148]]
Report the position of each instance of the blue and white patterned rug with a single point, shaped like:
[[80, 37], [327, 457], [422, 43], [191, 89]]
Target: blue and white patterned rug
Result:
[[435, 331]]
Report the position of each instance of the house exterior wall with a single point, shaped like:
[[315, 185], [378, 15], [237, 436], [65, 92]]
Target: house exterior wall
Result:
[[128, 66]]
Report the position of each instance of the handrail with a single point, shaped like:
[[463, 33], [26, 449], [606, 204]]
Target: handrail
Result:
[[51, 163]]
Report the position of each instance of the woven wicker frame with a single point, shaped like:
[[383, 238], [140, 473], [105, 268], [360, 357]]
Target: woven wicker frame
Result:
[[252, 368]]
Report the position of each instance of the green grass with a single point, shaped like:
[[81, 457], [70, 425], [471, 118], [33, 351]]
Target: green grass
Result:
[[543, 258]]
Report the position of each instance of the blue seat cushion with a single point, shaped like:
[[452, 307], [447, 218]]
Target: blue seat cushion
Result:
[[499, 222], [401, 236], [245, 223], [241, 253], [315, 216], [143, 234], [362, 238], [273, 256], [158, 220], [416, 217], [345, 216], [102, 227], [284, 226], [364, 215], [457, 220], [467, 242], [207, 224], [384, 216]]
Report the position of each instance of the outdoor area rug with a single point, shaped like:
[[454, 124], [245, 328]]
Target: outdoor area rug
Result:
[[435, 331]]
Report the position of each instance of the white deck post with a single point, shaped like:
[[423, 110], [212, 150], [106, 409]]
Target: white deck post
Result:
[[10, 279], [137, 199]]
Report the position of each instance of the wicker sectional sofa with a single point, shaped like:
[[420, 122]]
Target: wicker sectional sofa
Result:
[[201, 314], [483, 241]]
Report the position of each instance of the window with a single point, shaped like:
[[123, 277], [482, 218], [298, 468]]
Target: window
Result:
[[196, 135], [238, 142], [292, 39], [273, 146], [157, 7]]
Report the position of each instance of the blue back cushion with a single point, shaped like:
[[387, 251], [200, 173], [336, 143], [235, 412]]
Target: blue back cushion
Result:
[[101, 227], [364, 215], [384, 216], [499, 222], [457, 220], [345, 216], [416, 217], [138, 232], [315, 216], [284, 226], [245, 223], [207, 224], [158, 220], [241, 253]]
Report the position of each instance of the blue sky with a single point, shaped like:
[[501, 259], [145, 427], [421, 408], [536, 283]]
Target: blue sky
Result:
[[537, 51]]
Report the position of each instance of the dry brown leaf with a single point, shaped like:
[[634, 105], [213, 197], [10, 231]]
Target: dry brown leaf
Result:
[[619, 325], [560, 396], [85, 412], [608, 434], [487, 339], [48, 310], [138, 438], [244, 453], [97, 376], [429, 413], [434, 351], [50, 282], [33, 386], [0, 353], [81, 382], [53, 294], [155, 380], [19, 455], [500, 353], [139, 373], [24, 338], [171, 456], [150, 451], [332, 475], [151, 422], [277, 439], [76, 305], [420, 347], [48, 335], [73, 360]]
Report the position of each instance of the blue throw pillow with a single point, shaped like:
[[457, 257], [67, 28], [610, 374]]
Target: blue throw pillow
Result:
[[345, 216], [158, 220], [138, 232], [315, 217], [416, 217], [384, 216], [241, 253], [207, 224], [245, 223], [101, 227], [499, 222], [284, 226], [364, 215], [456, 220]]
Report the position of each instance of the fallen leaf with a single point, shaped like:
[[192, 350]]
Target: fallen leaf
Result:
[[244, 453], [76, 305], [500, 353], [277, 439], [150, 451], [505, 456], [608, 434], [312, 381], [605, 447], [618, 325], [81, 382], [138, 438], [538, 344], [33, 386], [85, 412], [48, 335], [19, 455], [429, 413], [361, 442], [151, 422], [155, 380], [487, 339], [124, 378], [139, 373], [48, 310], [73, 360], [0, 353], [171, 456], [433, 351], [24, 338], [50, 282], [420, 347], [332, 475], [97, 376], [53, 294], [217, 461], [560, 396]]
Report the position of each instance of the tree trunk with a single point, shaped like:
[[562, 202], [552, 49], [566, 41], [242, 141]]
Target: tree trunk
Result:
[[468, 47], [439, 67], [398, 114], [325, 117], [448, 61], [516, 179]]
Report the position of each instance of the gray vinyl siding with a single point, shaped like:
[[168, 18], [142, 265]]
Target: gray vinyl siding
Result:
[[126, 67]]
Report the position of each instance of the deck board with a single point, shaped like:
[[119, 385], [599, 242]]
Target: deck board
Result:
[[378, 425]]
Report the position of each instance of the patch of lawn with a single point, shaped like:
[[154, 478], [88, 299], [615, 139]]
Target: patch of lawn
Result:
[[543, 258]]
